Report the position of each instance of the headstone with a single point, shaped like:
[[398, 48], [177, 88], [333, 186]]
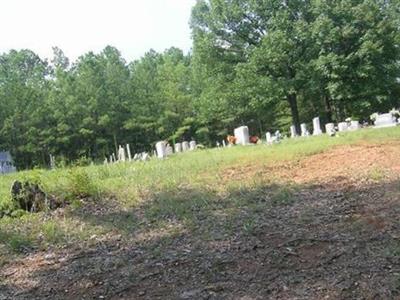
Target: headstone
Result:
[[385, 120], [217, 144], [105, 162], [52, 162], [293, 131], [316, 126], [6, 163], [114, 158], [277, 137], [268, 138], [178, 147], [354, 125], [145, 156], [185, 146], [304, 131], [342, 126], [242, 135], [223, 143], [330, 129], [128, 150], [161, 149], [169, 150], [192, 145], [121, 153]]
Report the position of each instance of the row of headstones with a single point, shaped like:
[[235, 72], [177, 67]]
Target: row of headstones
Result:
[[124, 154], [163, 149], [330, 128]]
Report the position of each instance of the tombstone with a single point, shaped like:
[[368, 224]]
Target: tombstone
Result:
[[185, 146], [52, 162], [277, 137], [330, 129], [121, 153], [354, 125], [128, 150], [114, 158], [293, 131], [385, 120], [223, 143], [192, 145], [217, 144], [136, 156], [105, 162], [242, 135], [145, 156], [304, 131], [161, 149], [178, 147], [169, 150], [316, 126], [342, 126], [268, 138], [6, 163]]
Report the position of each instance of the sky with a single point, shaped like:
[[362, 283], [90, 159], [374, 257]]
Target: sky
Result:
[[79, 26]]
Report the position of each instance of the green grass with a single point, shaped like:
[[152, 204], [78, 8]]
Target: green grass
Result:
[[187, 188]]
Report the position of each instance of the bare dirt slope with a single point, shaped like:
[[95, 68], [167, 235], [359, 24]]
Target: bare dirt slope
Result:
[[334, 235]]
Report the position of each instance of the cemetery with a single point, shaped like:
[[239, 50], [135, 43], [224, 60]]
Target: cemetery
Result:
[[200, 149], [264, 203]]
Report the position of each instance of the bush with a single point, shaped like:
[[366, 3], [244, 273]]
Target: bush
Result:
[[80, 184]]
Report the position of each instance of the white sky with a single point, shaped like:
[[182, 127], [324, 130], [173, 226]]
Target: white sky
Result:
[[79, 26]]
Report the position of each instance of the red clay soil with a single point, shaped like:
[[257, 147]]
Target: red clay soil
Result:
[[337, 238]]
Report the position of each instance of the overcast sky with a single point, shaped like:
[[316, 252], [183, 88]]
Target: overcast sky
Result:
[[78, 26]]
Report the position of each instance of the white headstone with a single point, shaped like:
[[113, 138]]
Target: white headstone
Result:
[[217, 144], [105, 162], [178, 147], [185, 146], [354, 125], [304, 131], [161, 149], [128, 150], [316, 126], [114, 158], [169, 150], [293, 131], [330, 129], [242, 135], [145, 156], [385, 120], [52, 162], [223, 143], [342, 126], [121, 154], [268, 138], [192, 145]]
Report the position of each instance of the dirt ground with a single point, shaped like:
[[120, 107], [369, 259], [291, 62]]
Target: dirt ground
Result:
[[338, 238]]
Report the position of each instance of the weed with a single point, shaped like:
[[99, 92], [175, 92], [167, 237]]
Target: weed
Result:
[[282, 196]]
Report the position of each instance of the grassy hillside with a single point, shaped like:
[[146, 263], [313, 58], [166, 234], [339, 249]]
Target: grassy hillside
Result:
[[193, 172], [206, 196]]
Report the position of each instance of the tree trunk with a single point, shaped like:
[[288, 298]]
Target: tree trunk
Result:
[[292, 99], [328, 109]]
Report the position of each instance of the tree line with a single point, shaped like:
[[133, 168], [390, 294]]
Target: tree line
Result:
[[266, 64]]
